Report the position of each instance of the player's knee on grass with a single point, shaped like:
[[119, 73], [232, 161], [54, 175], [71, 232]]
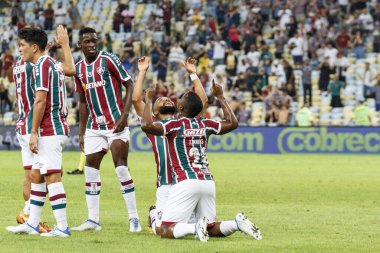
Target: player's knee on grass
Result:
[[167, 231]]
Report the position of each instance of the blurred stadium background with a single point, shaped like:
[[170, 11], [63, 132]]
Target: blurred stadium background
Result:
[[257, 49]]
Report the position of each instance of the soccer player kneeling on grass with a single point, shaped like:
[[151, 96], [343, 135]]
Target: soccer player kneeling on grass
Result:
[[193, 187], [103, 124], [48, 134], [163, 109]]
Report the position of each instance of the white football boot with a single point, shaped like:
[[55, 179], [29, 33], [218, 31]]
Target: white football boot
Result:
[[134, 225], [88, 225], [24, 228], [247, 227], [201, 230], [56, 232]]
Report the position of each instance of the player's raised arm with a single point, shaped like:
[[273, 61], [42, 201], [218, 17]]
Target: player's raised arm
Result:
[[230, 121], [198, 87], [147, 124], [137, 95], [62, 39]]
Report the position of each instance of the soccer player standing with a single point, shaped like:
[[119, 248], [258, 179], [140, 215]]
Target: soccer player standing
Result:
[[49, 133], [103, 124], [193, 187], [22, 76], [163, 109]]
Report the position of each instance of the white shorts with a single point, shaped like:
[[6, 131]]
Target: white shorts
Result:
[[162, 195], [100, 140], [49, 157], [26, 154], [190, 196]]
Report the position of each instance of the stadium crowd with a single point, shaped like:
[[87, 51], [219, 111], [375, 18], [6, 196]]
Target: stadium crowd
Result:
[[281, 62]]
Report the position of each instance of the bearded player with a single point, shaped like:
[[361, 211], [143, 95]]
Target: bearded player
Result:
[[163, 109], [103, 124]]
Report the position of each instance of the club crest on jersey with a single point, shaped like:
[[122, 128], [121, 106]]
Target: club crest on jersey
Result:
[[19, 69], [58, 67], [195, 132], [80, 76], [100, 70]]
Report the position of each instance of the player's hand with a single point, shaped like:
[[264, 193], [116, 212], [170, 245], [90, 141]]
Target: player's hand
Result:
[[81, 142], [120, 124], [62, 37], [216, 89], [143, 63], [190, 65], [49, 45], [33, 143], [149, 94]]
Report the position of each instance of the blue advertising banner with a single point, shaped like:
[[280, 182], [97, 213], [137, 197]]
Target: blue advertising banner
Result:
[[266, 140]]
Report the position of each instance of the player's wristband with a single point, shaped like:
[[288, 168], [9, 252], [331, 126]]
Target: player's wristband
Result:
[[194, 76]]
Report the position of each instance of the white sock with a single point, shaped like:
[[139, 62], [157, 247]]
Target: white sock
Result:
[[93, 186], [228, 227], [27, 207], [182, 229], [153, 218], [58, 203], [128, 190], [37, 201]]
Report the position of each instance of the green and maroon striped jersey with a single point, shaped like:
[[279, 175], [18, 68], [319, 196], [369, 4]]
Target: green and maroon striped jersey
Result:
[[161, 155], [23, 78], [49, 77], [187, 143], [101, 82]]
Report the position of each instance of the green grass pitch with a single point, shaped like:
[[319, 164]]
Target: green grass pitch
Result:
[[302, 203]]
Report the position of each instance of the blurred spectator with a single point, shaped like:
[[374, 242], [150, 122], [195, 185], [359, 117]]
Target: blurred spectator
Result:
[[362, 115], [376, 91], [306, 82], [16, 12], [359, 48], [304, 117], [5, 102], [49, 17], [127, 16], [296, 44], [341, 66], [231, 62], [243, 114], [75, 17], [334, 88], [368, 79], [8, 61], [60, 15], [161, 68], [342, 41], [289, 73], [324, 75], [283, 116], [167, 14], [39, 15], [176, 56]]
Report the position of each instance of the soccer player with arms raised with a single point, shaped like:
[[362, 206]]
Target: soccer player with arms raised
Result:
[[103, 124], [22, 76], [163, 109], [193, 187], [49, 133]]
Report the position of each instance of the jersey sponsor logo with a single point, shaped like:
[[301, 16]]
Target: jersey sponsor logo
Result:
[[89, 74], [58, 67], [19, 69], [93, 85], [195, 132], [100, 70], [80, 76]]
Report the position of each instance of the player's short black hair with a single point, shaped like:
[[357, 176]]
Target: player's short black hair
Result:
[[34, 36], [86, 30], [193, 105]]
